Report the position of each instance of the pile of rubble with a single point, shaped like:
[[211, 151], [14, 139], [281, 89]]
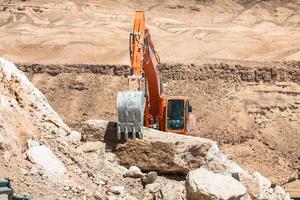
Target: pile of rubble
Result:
[[45, 158]]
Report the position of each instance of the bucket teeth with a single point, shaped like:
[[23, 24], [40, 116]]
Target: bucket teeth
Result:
[[133, 133], [119, 133], [126, 133]]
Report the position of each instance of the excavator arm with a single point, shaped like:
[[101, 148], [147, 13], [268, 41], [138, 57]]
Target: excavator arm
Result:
[[137, 108], [145, 61]]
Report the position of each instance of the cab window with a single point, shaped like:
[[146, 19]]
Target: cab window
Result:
[[175, 115]]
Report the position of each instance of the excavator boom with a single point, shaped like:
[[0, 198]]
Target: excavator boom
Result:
[[131, 103], [137, 108]]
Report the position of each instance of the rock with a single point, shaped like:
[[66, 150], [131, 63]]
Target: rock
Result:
[[257, 185], [149, 178], [34, 171], [7, 156], [32, 143], [134, 172], [279, 194], [98, 196], [172, 192], [204, 184], [91, 147], [23, 171], [153, 188], [66, 188], [101, 182], [45, 158], [95, 129], [74, 136], [164, 152], [1, 140], [118, 190], [29, 93], [110, 157]]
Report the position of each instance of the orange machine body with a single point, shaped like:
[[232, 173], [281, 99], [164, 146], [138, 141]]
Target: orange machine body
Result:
[[145, 63]]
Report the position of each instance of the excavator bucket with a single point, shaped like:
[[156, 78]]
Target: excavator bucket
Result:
[[130, 107]]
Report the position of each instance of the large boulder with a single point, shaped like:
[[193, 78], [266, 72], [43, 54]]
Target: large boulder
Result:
[[164, 152], [259, 187], [202, 184], [94, 129], [175, 153]]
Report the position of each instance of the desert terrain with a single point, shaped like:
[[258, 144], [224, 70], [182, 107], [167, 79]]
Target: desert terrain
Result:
[[237, 61]]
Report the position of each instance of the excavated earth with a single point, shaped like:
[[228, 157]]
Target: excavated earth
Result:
[[44, 157], [251, 109]]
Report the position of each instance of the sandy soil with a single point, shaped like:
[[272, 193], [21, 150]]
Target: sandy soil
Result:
[[76, 31]]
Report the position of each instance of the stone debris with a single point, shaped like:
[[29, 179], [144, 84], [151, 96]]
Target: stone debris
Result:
[[95, 129], [42, 153], [91, 147], [134, 172], [74, 136], [204, 184], [44, 157], [149, 178], [1, 140]]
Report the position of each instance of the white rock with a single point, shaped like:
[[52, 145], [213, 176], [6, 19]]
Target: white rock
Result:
[[98, 196], [203, 184], [92, 147], [153, 188], [96, 124], [23, 171], [46, 159], [110, 157], [26, 89], [7, 156], [95, 129], [1, 139], [118, 190], [74, 136], [34, 171], [280, 194], [32, 143], [134, 172]]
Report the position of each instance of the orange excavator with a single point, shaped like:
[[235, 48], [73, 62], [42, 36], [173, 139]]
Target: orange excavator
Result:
[[139, 107]]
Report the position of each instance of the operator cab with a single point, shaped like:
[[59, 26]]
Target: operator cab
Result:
[[178, 112]]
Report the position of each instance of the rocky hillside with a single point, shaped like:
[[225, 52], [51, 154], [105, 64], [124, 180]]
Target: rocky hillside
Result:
[[45, 158], [247, 107]]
